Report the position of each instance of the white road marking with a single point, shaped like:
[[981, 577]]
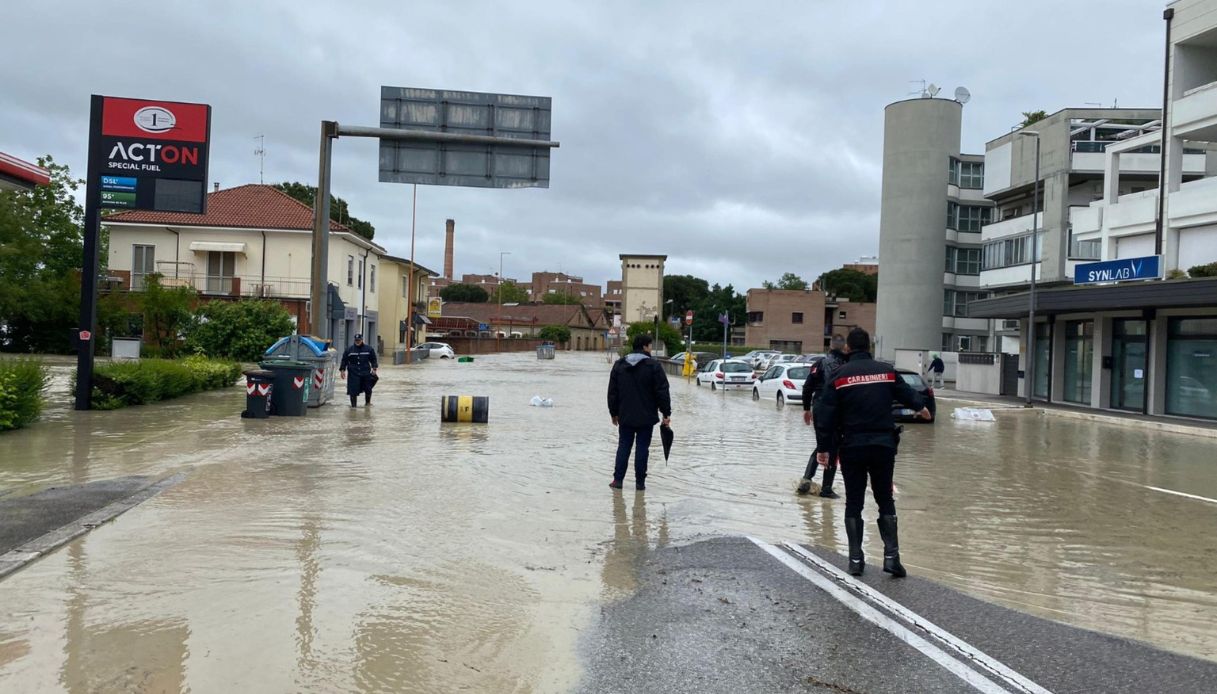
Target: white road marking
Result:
[[972, 653], [1190, 496], [866, 611]]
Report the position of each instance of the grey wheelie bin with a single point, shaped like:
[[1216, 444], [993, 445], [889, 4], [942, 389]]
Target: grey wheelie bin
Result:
[[313, 351], [293, 381]]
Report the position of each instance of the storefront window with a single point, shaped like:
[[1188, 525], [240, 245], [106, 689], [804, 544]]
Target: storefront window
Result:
[[1128, 373], [1043, 359], [1191, 367], [1079, 361]]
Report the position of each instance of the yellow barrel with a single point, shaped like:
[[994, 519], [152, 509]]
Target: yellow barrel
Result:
[[464, 408]]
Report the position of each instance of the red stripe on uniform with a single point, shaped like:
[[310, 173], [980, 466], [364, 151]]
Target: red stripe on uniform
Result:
[[864, 379]]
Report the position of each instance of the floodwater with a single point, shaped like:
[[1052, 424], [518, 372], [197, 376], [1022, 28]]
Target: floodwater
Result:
[[374, 549]]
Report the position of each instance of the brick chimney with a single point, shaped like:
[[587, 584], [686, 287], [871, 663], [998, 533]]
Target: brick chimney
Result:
[[450, 232]]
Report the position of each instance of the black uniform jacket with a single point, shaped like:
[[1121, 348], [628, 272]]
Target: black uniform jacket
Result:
[[360, 359], [821, 372], [855, 408], [637, 390]]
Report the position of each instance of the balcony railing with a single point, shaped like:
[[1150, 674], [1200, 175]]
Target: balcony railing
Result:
[[239, 285]]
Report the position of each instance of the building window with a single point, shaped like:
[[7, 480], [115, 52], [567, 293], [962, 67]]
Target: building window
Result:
[[359, 278], [796, 318], [966, 174], [372, 279], [963, 261], [1011, 251], [967, 218], [840, 315], [142, 265], [756, 317], [1191, 367], [350, 270], [955, 303], [1043, 359]]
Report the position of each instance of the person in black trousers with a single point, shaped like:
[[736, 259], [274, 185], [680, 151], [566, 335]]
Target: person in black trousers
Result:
[[822, 371], [637, 394], [361, 360], [856, 410]]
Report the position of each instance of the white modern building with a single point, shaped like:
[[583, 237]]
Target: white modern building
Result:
[[1145, 341], [931, 214]]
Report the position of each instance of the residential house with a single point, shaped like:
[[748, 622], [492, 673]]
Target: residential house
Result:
[[395, 296], [587, 325]]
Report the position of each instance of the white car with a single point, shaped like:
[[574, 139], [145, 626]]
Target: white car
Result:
[[726, 373], [774, 359], [782, 383], [438, 350], [754, 357]]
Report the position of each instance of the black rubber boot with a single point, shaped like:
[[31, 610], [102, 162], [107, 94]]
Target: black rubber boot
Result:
[[857, 560], [830, 473], [353, 399], [808, 475], [891, 547]]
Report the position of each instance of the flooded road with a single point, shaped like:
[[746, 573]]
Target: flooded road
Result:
[[374, 549]]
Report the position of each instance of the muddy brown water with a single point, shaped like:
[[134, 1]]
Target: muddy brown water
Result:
[[373, 549]]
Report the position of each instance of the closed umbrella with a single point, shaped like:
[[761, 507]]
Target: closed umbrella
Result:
[[666, 436]]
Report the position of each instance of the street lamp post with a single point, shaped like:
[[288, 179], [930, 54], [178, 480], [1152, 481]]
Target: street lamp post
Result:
[[499, 289], [1035, 234]]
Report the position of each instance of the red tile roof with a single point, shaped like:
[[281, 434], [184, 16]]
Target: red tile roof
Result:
[[571, 315], [250, 206]]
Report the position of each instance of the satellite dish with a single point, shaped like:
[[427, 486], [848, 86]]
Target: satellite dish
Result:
[[933, 90], [962, 95]]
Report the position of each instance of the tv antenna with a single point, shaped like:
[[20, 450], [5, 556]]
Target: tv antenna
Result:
[[962, 95], [260, 153]]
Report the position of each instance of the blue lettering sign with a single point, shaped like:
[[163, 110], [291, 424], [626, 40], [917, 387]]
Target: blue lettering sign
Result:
[[1126, 269]]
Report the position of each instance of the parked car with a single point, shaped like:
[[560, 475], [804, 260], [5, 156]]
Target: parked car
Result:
[[772, 359], [809, 358], [782, 383], [698, 358], [438, 350], [726, 373], [754, 357], [914, 379]]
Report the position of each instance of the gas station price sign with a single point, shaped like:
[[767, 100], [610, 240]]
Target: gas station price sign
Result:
[[149, 155]]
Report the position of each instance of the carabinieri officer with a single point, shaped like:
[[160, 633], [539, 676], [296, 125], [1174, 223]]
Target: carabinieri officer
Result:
[[855, 409], [361, 359]]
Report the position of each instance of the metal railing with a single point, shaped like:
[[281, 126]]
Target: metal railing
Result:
[[236, 285]]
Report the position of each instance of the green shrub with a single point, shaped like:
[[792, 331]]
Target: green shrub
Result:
[[21, 384], [1208, 270], [555, 333], [120, 384], [667, 334], [240, 330]]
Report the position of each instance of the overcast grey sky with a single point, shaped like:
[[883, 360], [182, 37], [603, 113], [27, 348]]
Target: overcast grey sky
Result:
[[741, 139]]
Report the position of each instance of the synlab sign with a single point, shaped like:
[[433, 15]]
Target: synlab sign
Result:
[[1126, 269], [149, 155]]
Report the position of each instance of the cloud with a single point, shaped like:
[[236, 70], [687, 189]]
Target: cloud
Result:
[[743, 141]]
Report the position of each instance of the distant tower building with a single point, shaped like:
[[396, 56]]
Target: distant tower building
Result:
[[929, 230], [641, 287], [449, 239]]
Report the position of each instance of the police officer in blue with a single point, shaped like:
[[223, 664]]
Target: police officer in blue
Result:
[[361, 360]]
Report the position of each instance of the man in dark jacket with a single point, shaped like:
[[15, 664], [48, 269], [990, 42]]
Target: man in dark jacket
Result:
[[856, 410], [637, 392], [937, 368], [821, 372], [361, 360]]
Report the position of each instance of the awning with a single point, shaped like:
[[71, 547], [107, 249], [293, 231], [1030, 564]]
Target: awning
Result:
[[1189, 293], [420, 319], [206, 246]]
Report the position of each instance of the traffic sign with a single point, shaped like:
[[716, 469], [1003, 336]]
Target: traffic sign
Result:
[[85, 336], [689, 317]]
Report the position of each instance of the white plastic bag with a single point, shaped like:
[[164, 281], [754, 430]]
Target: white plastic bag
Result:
[[538, 401], [973, 414]]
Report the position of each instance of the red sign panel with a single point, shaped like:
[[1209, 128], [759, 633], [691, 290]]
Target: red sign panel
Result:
[[85, 336], [154, 120], [688, 318]]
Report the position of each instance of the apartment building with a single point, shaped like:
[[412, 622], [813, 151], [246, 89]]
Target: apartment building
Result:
[[612, 297], [254, 241], [404, 324], [932, 210], [544, 283], [1143, 338], [800, 321]]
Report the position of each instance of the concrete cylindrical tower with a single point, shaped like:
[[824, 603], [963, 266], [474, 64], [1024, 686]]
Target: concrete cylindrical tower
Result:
[[919, 138]]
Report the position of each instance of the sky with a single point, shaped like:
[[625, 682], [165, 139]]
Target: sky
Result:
[[743, 140]]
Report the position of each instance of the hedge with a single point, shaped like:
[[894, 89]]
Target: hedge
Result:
[[120, 384], [21, 384]]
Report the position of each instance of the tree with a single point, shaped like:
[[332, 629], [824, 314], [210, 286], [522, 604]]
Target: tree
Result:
[[240, 330], [338, 207], [41, 243], [561, 299], [719, 300], [790, 280], [167, 316], [1030, 117], [509, 293], [464, 292], [1209, 270], [559, 334], [667, 334], [685, 291], [850, 284]]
